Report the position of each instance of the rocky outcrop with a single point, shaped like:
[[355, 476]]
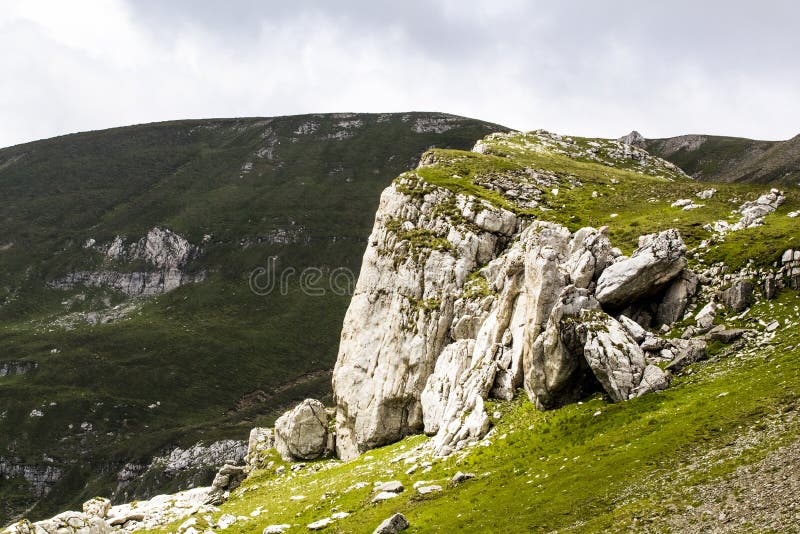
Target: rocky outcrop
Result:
[[64, 523], [41, 477], [659, 259], [164, 252], [302, 432], [634, 139], [751, 213], [430, 334], [738, 296], [676, 298], [17, 368]]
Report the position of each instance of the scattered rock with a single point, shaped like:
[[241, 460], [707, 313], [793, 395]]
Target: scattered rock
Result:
[[276, 529], [321, 524], [424, 490], [392, 525], [725, 335], [394, 486], [460, 477], [384, 496], [739, 296]]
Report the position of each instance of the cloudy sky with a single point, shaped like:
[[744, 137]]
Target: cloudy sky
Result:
[[580, 67]]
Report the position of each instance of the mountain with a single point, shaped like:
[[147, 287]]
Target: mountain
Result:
[[136, 313], [731, 159], [548, 333]]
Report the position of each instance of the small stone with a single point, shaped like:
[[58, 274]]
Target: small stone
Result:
[[424, 490], [319, 525], [392, 525], [394, 486], [340, 515], [461, 477], [276, 529], [384, 496]]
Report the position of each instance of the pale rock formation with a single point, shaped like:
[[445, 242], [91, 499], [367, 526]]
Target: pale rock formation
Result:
[[659, 259], [634, 139], [392, 525], [97, 507], [676, 298], [302, 432]]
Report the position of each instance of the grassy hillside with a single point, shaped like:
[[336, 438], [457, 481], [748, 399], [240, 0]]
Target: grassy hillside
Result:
[[649, 464], [208, 360], [732, 159]]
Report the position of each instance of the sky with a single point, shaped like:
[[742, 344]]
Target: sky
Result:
[[576, 67]]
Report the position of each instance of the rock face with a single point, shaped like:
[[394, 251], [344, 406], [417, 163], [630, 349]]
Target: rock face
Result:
[[302, 432], [659, 259], [739, 296], [634, 139], [676, 298], [459, 301], [163, 251]]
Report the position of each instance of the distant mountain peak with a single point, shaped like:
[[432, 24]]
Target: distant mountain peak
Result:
[[634, 139]]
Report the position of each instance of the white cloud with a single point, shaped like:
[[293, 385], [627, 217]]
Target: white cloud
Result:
[[594, 71]]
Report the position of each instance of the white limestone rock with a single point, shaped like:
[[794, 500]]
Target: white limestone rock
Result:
[[302, 432], [659, 259]]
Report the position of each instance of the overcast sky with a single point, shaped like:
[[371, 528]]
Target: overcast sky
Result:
[[585, 68]]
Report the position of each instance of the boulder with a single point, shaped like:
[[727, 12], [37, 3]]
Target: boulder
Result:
[[657, 261], [302, 432], [676, 298], [97, 507], [392, 525], [555, 369], [634, 329], [395, 486], [653, 379], [276, 529], [725, 335], [686, 351], [261, 439], [739, 296], [705, 317], [612, 354]]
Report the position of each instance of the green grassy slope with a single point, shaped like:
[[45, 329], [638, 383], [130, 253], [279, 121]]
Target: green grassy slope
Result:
[[592, 466], [203, 348], [732, 159]]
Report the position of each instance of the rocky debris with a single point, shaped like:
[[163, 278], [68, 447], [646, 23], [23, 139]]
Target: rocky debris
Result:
[[392, 525], [228, 478], [276, 529], [97, 507], [164, 251], [725, 335], [658, 260], [687, 351], [751, 213], [302, 432], [261, 439], [394, 486], [706, 316], [706, 194], [13, 368], [63, 523], [384, 496], [686, 204], [739, 296], [460, 477], [433, 488], [634, 139], [225, 521], [676, 298], [321, 524], [653, 379]]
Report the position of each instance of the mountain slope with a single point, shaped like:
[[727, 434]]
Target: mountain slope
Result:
[[731, 159], [597, 461], [110, 378]]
